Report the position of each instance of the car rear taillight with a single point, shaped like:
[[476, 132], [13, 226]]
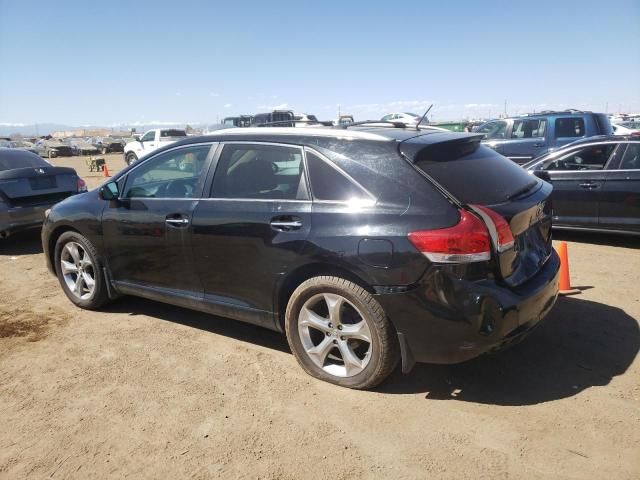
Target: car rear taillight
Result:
[[467, 241], [503, 230], [82, 185]]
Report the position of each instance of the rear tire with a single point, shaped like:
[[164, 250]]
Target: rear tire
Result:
[[131, 158], [339, 333], [79, 271]]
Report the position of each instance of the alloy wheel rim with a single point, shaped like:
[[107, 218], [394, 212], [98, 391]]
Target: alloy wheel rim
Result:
[[335, 335], [77, 270]]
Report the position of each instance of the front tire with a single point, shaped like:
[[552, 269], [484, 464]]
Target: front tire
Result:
[[79, 271], [131, 158], [339, 333]]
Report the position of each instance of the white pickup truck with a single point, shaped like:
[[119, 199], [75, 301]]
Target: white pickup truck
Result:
[[151, 141]]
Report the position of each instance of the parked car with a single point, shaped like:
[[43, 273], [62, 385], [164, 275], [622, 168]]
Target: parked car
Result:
[[277, 118], [366, 246], [523, 138], [150, 142], [19, 144], [626, 128], [344, 120], [108, 145], [596, 184], [404, 117], [81, 146], [53, 148], [28, 186], [240, 121], [306, 120]]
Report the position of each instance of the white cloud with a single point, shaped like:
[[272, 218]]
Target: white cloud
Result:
[[12, 124], [227, 105], [282, 106], [214, 94]]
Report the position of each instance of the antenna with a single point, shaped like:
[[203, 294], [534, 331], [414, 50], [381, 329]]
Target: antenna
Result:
[[423, 117]]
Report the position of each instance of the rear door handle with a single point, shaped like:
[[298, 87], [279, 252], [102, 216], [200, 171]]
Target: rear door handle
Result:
[[284, 224], [538, 145], [176, 221], [589, 185]]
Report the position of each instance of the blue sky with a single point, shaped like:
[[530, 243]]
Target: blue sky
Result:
[[117, 62]]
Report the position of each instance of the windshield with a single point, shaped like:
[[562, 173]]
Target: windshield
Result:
[[172, 133], [11, 159]]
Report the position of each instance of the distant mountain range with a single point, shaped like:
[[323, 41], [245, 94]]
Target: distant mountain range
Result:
[[40, 129]]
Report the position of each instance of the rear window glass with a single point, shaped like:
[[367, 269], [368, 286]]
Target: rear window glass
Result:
[[328, 183], [474, 175], [569, 127], [10, 160], [172, 133]]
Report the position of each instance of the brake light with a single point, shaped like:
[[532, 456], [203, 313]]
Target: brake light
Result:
[[82, 185], [503, 230], [467, 241]]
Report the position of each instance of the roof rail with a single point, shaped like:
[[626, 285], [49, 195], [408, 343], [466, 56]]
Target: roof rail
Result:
[[553, 112], [373, 122]]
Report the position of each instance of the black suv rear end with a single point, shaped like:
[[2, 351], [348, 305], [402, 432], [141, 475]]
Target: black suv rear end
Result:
[[365, 245]]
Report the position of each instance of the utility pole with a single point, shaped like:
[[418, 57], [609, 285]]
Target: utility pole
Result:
[[606, 107], [339, 111], [505, 109]]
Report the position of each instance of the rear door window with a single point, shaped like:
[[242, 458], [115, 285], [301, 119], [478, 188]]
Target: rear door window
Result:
[[330, 184], [570, 127], [259, 172], [529, 128]]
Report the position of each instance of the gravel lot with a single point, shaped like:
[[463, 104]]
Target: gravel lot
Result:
[[148, 390]]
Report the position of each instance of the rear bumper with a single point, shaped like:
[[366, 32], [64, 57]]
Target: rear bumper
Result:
[[448, 320], [21, 218]]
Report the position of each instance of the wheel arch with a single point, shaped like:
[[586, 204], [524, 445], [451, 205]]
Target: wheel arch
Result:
[[56, 233], [304, 272]]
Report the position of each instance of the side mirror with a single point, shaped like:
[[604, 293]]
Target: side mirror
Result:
[[109, 191]]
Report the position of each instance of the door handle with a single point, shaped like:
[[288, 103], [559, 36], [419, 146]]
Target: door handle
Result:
[[589, 185], [284, 224], [177, 222], [538, 145]]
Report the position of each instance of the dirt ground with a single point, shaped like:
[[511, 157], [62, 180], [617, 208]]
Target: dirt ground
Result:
[[142, 389]]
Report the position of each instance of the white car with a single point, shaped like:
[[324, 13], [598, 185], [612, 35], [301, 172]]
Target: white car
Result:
[[624, 130], [306, 120], [405, 117], [150, 142]]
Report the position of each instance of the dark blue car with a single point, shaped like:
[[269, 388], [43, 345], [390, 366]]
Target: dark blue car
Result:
[[524, 138]]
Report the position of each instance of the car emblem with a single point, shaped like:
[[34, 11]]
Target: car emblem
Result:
[[40, 170]]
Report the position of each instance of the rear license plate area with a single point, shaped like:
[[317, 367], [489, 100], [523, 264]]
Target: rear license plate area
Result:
[[43, 183]]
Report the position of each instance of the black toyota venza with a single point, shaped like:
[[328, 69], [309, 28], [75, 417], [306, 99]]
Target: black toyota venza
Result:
[[365, 245]]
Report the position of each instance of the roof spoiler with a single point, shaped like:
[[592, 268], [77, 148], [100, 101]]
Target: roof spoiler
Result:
[[443, 146]]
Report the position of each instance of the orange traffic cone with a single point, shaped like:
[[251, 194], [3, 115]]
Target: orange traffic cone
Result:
[[565, 280], [105, 170]]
